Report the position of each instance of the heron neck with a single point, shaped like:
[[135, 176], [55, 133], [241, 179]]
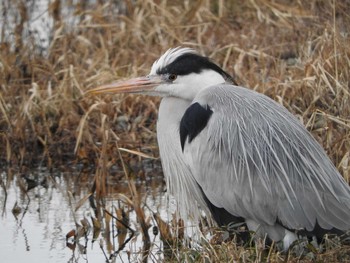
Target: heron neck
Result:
[[172, 109]]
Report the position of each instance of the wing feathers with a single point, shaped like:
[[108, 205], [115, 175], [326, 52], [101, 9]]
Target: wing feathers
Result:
[[257, 161]]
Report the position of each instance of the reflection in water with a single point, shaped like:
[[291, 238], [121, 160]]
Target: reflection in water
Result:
[[60, 221]]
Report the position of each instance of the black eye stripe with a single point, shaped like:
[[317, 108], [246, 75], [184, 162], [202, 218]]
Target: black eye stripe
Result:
[[192, 63], [186, 64]]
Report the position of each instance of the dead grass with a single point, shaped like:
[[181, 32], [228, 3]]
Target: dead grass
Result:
[[297, 52]]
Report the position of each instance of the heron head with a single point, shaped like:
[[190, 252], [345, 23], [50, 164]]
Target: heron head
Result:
[[179, 72]]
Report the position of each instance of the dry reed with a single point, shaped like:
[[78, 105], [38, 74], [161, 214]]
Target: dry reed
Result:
[[296, 52]]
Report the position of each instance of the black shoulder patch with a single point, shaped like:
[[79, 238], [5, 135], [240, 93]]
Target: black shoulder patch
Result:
[[193, 122]]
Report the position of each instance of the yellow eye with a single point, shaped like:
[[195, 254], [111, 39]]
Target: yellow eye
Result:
[[172, 77]]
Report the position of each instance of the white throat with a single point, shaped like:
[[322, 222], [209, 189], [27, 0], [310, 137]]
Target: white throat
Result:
[[180, 181]]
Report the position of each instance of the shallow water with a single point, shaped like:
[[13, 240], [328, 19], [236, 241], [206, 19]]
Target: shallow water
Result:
[[37, 232]]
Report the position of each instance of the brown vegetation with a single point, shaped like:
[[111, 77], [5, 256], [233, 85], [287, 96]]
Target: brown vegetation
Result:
[[296, 52]]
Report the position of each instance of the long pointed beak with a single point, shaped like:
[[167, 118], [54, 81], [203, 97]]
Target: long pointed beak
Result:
[[135, 85]]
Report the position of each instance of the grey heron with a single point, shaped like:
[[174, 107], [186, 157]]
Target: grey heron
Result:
[[238, 154]]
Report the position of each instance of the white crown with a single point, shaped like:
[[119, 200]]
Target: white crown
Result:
[[169, 56]]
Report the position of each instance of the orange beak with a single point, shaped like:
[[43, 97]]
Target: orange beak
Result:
[[135, 85]]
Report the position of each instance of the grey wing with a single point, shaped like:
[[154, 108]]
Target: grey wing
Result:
[[256, 160]]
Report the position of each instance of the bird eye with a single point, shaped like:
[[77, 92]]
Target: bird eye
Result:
[[172, 77]]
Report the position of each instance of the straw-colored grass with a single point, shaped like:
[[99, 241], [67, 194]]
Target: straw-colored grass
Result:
[[296, 52]]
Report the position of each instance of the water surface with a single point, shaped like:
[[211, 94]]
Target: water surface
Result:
[[35, 222]]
